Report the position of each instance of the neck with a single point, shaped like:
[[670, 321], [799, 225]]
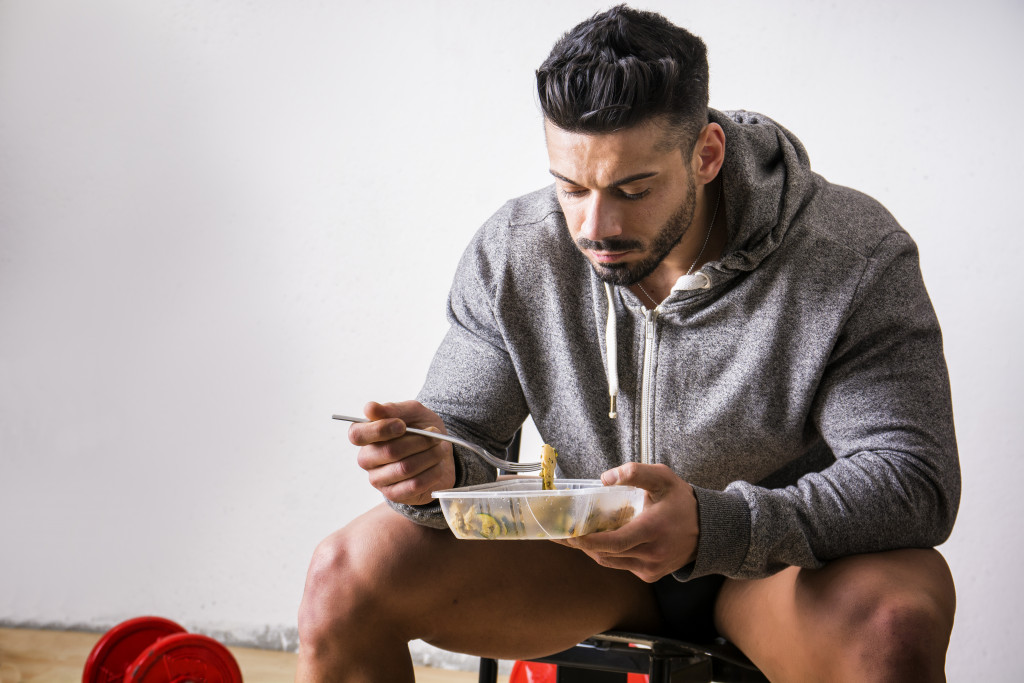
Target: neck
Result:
[[703, 242]]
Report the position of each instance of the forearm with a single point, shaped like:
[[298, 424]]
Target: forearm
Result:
[[883, 410], [865, 503]]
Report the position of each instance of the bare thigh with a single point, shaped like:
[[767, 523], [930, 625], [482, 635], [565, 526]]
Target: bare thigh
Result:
[[800, 622], [507, 599]]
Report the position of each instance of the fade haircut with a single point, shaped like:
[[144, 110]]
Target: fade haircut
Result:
[[623, 68]]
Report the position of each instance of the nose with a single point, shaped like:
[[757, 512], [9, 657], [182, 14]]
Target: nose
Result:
[[600, 219]]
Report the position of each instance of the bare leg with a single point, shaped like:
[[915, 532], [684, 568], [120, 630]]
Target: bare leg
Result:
[[383, 581], [874, 617]]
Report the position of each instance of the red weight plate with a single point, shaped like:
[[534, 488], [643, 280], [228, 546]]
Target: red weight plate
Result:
[[122, 645], [185, 657]]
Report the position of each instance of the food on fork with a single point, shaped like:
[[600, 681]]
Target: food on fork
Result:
[[548, 456]]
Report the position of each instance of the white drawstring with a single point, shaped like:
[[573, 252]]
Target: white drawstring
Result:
[[611, 347], [697, 280]]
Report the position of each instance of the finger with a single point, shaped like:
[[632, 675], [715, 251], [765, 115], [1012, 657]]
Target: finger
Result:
[[641, 566], [379, 430], [657, 480], [623, 541], [642, 570], [597, 542], [389, 421], [380, 411], [410, 467], [417, 490], [382, 453], [412, 413], [635, 560]]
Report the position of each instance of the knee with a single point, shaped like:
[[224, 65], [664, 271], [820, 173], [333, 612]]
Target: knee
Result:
[[903, 638], [894, 633], [336, 588]]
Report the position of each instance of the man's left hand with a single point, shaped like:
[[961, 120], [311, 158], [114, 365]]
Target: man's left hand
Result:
[[658, 541]]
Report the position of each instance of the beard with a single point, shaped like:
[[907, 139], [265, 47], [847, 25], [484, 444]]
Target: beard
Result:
[[626, 274]]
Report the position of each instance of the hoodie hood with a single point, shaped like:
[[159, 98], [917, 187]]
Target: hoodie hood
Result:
[[767, 180]]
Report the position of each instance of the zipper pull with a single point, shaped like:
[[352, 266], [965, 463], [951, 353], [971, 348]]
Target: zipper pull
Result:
[[650, 316]]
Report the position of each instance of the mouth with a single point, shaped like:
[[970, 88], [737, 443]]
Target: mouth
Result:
[[607, 258], [609, 253]]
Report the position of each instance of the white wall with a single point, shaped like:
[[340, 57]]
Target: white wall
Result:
[[221, 222]]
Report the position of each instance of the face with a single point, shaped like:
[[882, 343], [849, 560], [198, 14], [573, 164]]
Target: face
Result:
[[628, 198]]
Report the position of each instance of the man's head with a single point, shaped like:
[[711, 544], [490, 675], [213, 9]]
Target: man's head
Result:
[[626, 121], [622, 68]]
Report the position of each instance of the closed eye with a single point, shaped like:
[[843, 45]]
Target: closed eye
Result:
[[631, 196], [614, 187]]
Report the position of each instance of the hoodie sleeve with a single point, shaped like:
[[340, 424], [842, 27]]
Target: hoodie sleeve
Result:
[[884, 408]]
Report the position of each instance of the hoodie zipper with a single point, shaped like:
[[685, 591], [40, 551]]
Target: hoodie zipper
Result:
[[647, 386]]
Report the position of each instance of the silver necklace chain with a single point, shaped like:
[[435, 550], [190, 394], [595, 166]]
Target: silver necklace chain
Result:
[[649, 297], [707, 238]]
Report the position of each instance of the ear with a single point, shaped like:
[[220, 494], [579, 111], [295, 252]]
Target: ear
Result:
[[708, 153]]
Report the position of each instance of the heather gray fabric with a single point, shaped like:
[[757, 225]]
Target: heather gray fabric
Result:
[[805, 394]]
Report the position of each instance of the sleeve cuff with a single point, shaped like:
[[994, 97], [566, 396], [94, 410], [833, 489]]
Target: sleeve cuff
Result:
[[427, 515], [724, 519]]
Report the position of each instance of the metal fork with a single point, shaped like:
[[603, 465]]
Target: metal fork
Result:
[[500, 463]]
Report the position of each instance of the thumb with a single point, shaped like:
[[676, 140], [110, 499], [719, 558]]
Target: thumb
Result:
[[655, 479], [374, 410], [412, 413], [381, 411]]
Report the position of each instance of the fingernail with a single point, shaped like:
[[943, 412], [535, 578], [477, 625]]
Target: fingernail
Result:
[[610, 478]]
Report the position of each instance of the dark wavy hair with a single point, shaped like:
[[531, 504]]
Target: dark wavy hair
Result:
[[622, 68]]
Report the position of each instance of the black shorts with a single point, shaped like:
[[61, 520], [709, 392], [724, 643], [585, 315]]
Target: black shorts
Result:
[[688, 607]]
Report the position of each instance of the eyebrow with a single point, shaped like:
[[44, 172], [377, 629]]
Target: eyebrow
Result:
[[621, 181]]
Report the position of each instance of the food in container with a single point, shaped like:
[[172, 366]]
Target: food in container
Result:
[[520, 509]]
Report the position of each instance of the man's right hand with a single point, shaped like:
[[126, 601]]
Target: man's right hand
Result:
[[406, 468]]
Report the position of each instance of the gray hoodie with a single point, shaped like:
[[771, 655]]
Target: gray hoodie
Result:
[[803, 392]]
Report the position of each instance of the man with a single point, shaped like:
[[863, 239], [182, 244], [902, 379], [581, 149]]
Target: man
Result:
[[692, 311]]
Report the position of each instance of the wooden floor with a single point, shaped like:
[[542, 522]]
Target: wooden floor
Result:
[[30, 656]]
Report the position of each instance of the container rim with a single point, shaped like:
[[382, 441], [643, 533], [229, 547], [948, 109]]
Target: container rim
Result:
[[528, 487]]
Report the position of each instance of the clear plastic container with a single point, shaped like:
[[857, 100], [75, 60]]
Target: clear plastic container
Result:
[[518, 509]]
